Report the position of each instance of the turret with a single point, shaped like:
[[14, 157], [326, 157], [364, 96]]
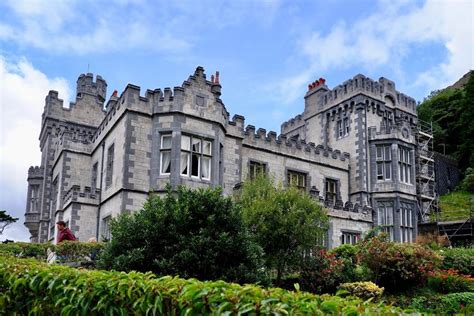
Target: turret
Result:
[[315, 90], [86, 85]]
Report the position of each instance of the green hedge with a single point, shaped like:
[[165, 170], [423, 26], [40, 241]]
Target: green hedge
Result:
[[29, 286], [461, 259], [68, 250], [448, 304]]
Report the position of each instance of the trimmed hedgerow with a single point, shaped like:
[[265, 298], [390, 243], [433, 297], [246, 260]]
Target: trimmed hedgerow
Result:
[[71, 251], [29, 286]]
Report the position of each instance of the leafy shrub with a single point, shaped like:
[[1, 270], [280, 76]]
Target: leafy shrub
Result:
[[348, 255], [284, 222], [448, 304], [28, 286], [191, 233], [397, 266], [450, 281], [67, 251], [461, 259], [364, 290], [321, 273], [433, 241]]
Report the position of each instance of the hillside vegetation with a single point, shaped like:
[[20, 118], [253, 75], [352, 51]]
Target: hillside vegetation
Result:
[[455, 206], [452, 112]]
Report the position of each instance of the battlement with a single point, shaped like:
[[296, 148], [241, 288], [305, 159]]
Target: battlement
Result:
[[87, 85], [78, 194], [195, 95], [88, 106], [35, 172], [381, 89], [282, 143], [320, 98]]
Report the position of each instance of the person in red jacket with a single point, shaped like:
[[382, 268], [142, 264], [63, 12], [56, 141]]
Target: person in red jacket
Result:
[[64, 233]]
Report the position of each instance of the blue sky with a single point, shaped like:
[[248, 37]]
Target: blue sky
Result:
[[266, 51]]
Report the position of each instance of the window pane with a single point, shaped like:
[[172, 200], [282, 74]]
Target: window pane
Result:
[[379, 152], [184, 164], [185, 142], [165, 162], [206, 168], [166, 142], [196, 145], [207, 148], [195, 165], [388, 170], [380, 171], [387, 153]]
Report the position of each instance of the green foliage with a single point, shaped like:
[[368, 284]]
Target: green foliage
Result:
[[468, 183], [450, 281], [5, 220], [347, 254], [449, 304], [25, 250], [460, 259], [321, 273], [455, 206], [28, 286], [285, 222], [452, 114], [191, 233], [68, 251], [397, 266], [364, 290]]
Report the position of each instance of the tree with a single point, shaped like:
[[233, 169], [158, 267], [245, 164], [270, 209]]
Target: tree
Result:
[[285, 222], [452, 113], [5, 220], [190, 233]]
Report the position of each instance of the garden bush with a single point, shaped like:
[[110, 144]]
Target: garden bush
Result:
[[32, 287], [285, 222], [449, 304], [321, 273], [450, 281], [191, 233], [397, 266], [25, 250], [460, 259], [364, 290], [67, 251], [348, 255]]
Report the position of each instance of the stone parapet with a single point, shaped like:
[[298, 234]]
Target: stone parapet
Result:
[[81, 195]]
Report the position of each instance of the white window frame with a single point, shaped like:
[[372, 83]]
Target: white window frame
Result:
[[165, 150], [383, 154], [202, 157], [385, 217], [405, 162], [105, 231]]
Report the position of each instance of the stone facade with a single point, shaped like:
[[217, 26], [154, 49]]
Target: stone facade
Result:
[[102, 159]]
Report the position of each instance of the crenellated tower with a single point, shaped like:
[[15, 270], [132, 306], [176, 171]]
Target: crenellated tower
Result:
[[78, 121]]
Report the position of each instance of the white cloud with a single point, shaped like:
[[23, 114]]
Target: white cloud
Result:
[[82, 27], [383, 39], [22, 88]]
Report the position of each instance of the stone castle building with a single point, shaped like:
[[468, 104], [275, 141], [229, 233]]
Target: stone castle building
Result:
[[353, 148]]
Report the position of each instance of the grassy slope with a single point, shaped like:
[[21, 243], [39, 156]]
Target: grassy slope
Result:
[[455, 206]]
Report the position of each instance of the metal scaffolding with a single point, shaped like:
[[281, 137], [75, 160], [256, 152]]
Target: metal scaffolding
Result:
[[425, 172]]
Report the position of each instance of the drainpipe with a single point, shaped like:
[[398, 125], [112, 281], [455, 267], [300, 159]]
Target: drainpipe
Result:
[[100, 192]]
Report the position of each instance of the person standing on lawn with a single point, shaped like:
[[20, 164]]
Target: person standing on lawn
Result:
[[64, 233]]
